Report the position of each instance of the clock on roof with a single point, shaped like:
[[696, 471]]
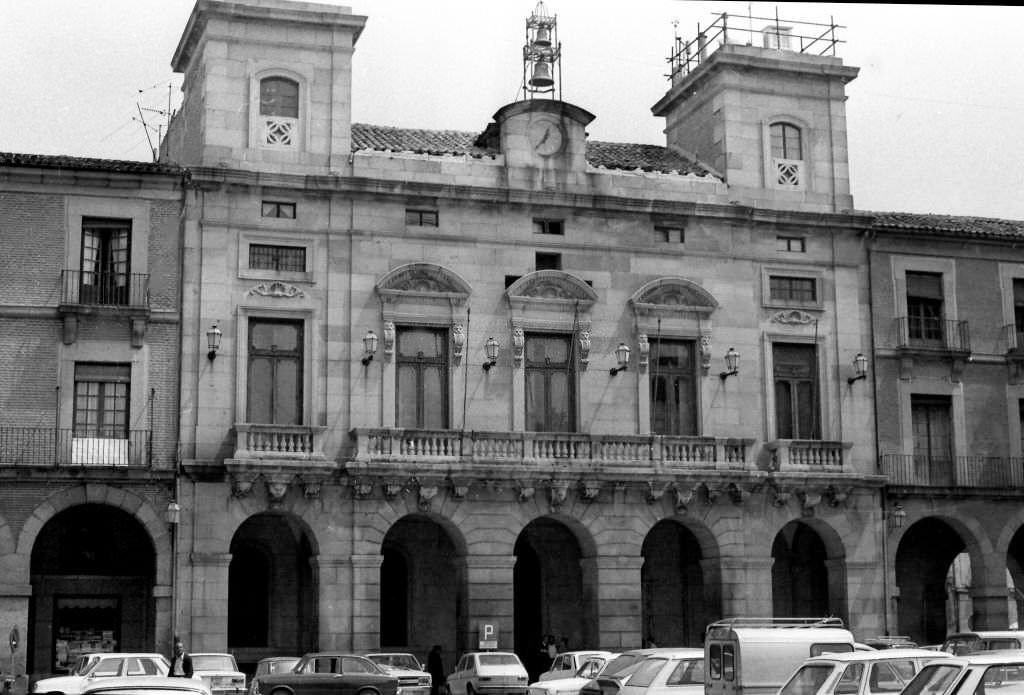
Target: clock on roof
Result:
[[546, 137]]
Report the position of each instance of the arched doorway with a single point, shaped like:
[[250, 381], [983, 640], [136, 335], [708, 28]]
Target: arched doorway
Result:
[[552, 596], [924, 560], [800, 576], [272, 589], [93, 568], [675, 609], [421, 588]]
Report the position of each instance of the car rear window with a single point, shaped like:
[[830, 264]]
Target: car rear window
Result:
[[213, 662], [646, 671], [619, 663], [830, 648], [687, 672], [498, 660], [933, 679], [807, 680]]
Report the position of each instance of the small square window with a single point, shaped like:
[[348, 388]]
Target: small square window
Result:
[[670, 235], [792, 289], [548, 227], [421, 218], [549, 261], [273, 208], [792, 244]]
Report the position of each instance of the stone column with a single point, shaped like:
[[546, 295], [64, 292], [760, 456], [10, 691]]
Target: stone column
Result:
[[489, 589], [990, 598], [619, 601], [746, 586], [366, 602], [865, 605], [209, 603], [14, 602], [334, 602]]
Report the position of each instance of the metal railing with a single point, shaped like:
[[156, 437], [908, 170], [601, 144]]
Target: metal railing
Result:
[[1013, 334], [41, 446], [925, 333], [547, 448], [122, 290], [770, 32], [953, 471]]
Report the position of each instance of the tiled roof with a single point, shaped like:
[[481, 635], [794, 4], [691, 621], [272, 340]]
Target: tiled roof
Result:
[[46, 161], [948, 224], [610, 155]]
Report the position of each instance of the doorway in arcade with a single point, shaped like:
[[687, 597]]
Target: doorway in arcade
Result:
[[93, 568]]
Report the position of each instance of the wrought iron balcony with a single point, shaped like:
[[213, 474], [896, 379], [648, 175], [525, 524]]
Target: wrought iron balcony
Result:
[[41, 446], [927, 334], [953, 471], [549, 450], [126, 291], [807, 454]]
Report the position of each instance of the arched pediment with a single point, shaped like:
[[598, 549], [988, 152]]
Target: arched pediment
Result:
[[673, 296], [423, 280], [551, 287]]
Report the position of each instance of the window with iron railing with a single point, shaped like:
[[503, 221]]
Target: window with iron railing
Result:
[[277, 258], [925, 308], [932, 424], [105, 262]]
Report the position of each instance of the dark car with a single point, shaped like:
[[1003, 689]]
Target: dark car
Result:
[[334, 673]]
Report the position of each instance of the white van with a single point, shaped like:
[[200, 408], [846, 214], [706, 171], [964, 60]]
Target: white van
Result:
[[755, 656]]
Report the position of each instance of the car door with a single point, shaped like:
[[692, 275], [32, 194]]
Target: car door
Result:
[[354, 672], [319, 676], [457, 679]]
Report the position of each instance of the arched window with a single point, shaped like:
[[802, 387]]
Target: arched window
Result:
[[786, 142], [279, 96]]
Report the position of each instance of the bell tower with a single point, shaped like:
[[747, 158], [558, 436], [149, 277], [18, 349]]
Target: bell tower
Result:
[[765, 107], [542, 55]]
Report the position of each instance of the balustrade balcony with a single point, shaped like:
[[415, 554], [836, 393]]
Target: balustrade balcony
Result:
[[953, 471], [549, 450], [287, 442], [42, 446], [807, 455]]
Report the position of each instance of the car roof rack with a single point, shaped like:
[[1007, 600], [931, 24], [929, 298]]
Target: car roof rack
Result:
[[829, 621]]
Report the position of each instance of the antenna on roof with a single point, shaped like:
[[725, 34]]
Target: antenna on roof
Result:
[[159, 130]]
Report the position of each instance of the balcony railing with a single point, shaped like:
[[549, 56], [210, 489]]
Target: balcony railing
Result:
[[256, 441], [109, 290], [932, 334], [547, 449], [40, 446], [807, 454], [953, 471], [1013, 334]]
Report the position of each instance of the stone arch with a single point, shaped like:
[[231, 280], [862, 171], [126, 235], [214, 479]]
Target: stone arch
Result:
[[673, 295], [422, 280], [241, 510], [825, 571], [151, 519], [555, 288]]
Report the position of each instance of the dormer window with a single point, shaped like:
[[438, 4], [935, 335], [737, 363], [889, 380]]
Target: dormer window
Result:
[[279, 111], [787, 155]]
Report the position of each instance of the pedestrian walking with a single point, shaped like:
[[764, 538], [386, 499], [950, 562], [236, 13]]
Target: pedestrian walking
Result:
[[435, 667], [181, 662]]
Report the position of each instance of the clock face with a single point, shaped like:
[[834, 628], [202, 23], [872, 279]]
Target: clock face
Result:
[[546, 137]]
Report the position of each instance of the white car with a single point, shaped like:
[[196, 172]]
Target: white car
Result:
[[90, 668], [412, 679], [147, 685], [997, 671], [572, 685], [566, 664], [668, 672], [488, 673], [219, 672], [878, 672]]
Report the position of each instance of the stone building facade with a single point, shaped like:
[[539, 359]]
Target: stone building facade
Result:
[[378, 387]]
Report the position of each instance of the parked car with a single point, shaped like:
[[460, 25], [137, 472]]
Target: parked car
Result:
[[615, 673], [566, 664], [572, 685], [333, 672], [147, 685], [90, 667], [878, 672], [488, 673], [412, 678], [273, 664], [668, 672], [982, 641], [219, 672], [996, 671], [891, 642]]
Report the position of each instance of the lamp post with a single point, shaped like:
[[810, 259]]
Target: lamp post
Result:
[[173, 517]]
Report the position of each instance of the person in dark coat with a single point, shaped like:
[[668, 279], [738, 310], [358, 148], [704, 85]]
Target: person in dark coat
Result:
[[435, 667], [181, 662]]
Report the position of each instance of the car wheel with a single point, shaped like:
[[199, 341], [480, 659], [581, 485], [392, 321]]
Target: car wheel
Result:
[[280, 691], [469, 689], [367, 691]]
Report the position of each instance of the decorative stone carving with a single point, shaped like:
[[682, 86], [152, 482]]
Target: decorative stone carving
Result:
[[557, 493], [705, 353], [422, 278], [781, 496], [684, 495], [526, 492], [427, 493], [837, 496], [584, 349], [793, 317], [393, 489], [589, 490], [277, 290], [518, 345], [389, 338], [311, 489], [277, 486], [460, 488], [739, 493], [241, 484], [643, 348], [713, 492], [809, 500], [458, 342], [655, 491], [362, 488], [672, 296]]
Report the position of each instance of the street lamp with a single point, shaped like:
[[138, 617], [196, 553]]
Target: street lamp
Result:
[[732, 364], [491, 350], [369, 347], [622, 356], [860, 368], [213, 342]]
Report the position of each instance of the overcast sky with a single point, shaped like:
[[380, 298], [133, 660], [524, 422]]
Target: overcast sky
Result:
[[935, 117]]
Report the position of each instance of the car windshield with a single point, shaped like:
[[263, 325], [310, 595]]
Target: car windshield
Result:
[[83, 665], [498, 660], [406, 661], [933, 679], [213, 662], [807, 680]]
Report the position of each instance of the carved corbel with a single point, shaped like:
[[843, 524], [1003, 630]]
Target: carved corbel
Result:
[[526, 491], [241, 484], [458, 342], [643, 348], [389, 339], [656, 491], [518, 344], [739, 493], [277, 486], [460, 487], [589, 490], [427, 493], [362, 488], [557, 492], [584, 350], [781, 496], [837, 496], [393, 489], [684, 495], [311, 487], [713, 492], [705, 353], [809, 500]]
